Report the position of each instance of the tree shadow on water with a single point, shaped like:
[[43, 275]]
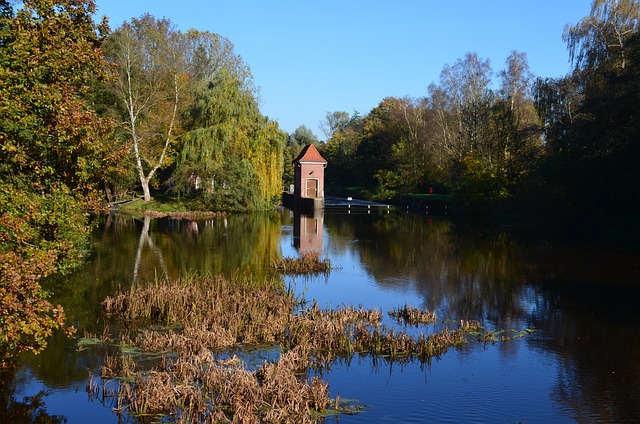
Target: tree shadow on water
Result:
[[29, 410]]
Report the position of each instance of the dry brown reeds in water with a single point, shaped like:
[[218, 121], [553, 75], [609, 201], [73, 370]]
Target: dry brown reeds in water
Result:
[[470, 326], [200, 388], [203, 312], [201, 315], [306, 264], [348, 331], [413, 316]]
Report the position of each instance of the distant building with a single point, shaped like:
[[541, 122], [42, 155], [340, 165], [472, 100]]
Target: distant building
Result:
[[308, 192]]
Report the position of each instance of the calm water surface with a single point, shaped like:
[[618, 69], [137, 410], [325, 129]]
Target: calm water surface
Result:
[[582, 364]]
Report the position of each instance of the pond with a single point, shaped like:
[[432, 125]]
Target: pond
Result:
[[581, 364]]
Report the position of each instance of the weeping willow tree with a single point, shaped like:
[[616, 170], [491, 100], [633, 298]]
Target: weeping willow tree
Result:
[[231, 155]]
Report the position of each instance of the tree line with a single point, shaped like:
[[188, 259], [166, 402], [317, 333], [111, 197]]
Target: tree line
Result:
[[559, 152]]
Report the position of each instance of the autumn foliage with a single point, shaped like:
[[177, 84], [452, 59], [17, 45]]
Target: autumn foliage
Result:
[[54, 152]]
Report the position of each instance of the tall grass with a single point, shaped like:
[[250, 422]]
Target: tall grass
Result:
[[213, 312]]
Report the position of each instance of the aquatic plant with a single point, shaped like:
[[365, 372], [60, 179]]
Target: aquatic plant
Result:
[[184, 322], [201, 388], [305, 264], [413, 316], [202, 312]]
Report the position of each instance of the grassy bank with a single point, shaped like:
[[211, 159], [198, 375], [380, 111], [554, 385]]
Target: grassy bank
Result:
[[162, 205]]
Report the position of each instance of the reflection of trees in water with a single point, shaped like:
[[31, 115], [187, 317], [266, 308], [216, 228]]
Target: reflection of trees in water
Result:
[[590, 326], [28, 410], [146, 240], [236, 243], [582, 300], [246, 243], [470, 277], [126, 247], [587, 310], [592, 329]]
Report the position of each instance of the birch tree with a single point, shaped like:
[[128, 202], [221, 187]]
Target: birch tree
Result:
[[461, 103], [334, 122], [604, 35], [150, 79]]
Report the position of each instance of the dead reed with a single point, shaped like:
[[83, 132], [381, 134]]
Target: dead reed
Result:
[[200, 388], [348, 331], [306, 264], [196, 316], [413, 316], [203, 312]]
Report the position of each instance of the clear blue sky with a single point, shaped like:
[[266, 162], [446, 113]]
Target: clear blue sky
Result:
[[311, 57]]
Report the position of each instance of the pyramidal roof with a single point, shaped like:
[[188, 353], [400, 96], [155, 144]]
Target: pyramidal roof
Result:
[[309, 154]]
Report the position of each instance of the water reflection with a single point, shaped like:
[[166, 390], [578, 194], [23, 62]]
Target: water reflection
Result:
[[170, 247], [582, 299], [307, 232], [581, 364], [592, 328], [471, 276], [146, 240]]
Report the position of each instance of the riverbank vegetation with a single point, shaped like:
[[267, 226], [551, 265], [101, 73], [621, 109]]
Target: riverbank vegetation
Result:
[[55, 151], [163, 206]]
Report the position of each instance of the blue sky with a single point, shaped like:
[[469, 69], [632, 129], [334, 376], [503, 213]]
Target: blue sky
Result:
[[313, 57]]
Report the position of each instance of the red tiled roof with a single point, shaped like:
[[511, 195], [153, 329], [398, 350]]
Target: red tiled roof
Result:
[[309, 154]]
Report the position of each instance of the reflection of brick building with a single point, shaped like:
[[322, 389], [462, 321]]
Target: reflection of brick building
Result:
[[307, 233], [309, 175]]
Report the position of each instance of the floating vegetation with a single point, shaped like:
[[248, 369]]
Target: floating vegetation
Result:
[[203, 312], [87, 342], [470, 326], [305, 264], [501, 335], [413, 316], [344, 333], [201, 388], [182, 323]]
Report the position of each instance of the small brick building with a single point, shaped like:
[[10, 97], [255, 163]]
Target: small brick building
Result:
[[309, 176]]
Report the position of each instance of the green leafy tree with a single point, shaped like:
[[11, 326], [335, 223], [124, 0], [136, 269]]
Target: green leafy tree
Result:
[[380, 131], [340, 152], [301, 137], [54, 153], [591, 122], [295, 143], [157, 71], [234, 150]]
